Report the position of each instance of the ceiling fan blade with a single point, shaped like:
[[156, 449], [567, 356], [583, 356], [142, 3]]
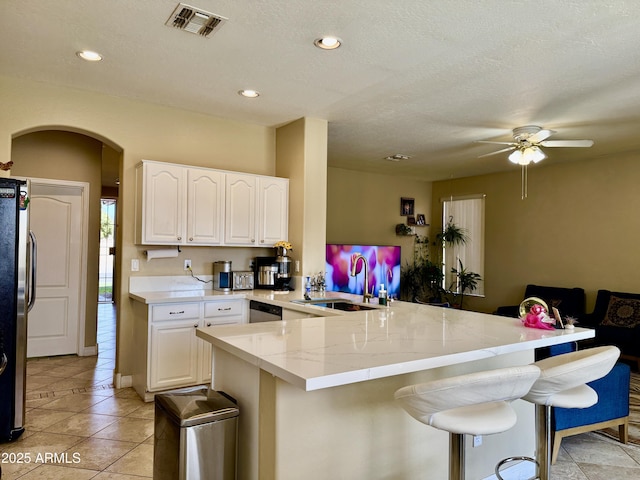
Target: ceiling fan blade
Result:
[[566, 143], [496, 143], [540, 136], [508, 149]]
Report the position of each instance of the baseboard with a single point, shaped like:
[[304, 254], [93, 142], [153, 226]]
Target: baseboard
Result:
[[88, 351], [122, 381]]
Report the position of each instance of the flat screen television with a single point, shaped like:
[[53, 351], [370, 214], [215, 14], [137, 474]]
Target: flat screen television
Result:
[[384, 267]]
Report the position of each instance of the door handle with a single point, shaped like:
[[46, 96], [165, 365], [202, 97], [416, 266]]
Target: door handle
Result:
[[3, 363], [33, 260]]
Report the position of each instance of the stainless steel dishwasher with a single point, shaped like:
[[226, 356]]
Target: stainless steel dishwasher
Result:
[[263, 312]]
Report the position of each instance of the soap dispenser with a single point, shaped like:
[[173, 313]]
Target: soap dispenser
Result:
[[382, 295]]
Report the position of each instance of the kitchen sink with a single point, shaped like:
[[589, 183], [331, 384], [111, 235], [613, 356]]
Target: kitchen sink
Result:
[[336, 304]]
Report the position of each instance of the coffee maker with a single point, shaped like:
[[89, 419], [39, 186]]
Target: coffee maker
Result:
[[272, 273]]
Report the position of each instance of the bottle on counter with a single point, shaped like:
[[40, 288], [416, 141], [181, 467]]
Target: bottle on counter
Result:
[[382, 295]]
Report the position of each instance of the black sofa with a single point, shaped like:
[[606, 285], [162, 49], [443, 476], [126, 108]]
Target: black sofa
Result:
[[570, 302], [616, 319]]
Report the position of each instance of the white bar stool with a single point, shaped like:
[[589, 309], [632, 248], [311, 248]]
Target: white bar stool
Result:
[[473, 404], [562, 383]]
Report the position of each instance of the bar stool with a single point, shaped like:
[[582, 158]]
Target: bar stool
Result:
[[562, 383], [472, 404]]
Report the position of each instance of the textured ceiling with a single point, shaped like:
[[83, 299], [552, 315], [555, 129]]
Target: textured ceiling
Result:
[[416, 77]]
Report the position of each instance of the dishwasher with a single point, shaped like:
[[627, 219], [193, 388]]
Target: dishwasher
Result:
[[263, 312]]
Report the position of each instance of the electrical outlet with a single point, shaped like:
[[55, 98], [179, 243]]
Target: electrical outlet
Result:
[[135, 264], [187, 264], [477, 440]]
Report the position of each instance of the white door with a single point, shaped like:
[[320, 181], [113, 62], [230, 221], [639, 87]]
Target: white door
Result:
[[56, 219]]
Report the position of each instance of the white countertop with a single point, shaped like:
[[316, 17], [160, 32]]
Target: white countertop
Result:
[[340, 348], [323, 352]]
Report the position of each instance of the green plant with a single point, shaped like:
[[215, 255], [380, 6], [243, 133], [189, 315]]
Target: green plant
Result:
[[421, 279], [402, 229], [452, 234], [465, 281]]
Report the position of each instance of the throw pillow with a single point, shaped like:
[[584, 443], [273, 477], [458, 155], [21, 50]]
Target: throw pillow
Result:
[[622, 312]]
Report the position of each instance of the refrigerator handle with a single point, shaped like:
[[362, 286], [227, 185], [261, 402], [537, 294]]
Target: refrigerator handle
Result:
[[32, 271]]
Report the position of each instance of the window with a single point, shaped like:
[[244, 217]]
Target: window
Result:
[[468, 214]]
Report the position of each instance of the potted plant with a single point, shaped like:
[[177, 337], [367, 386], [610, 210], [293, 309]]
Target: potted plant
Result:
[[452, 234], [465, 281], [421, 280]]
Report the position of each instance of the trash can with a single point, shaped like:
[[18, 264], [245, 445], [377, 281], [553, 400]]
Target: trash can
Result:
[[195, 435]]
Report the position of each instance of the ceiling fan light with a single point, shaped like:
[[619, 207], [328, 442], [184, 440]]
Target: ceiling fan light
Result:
[[516, 157], [537, 154]]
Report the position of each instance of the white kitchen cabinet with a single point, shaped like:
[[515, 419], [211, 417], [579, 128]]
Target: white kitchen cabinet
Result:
[[168, 353], [227, 312], [205, 206], [160, 203], [184, 205], [256, 210], [174, 355], [240, 209], [273, 210], [178, 205]]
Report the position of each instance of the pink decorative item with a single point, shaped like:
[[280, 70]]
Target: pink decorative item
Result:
[[538, 318]]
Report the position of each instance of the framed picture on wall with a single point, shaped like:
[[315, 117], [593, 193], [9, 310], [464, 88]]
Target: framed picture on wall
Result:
[[420, 220], [406, 206], [411, 220]]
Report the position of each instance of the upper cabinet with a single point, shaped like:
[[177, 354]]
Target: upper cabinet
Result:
[[256, 210], [273, 210], [178, 205], [183, 205], [205, 206]]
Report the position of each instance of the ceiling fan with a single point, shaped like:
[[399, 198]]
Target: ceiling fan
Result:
[[526, 144], [525, 148]]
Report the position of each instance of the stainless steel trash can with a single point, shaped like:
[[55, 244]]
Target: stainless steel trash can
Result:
[[195, 435]]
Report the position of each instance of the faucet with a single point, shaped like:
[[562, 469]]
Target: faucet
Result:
[[365, 265]]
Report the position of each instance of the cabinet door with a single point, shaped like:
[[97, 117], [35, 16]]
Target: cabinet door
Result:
[[205, 200], [163, 203], [273, 216], [173, 358], [240, 210]]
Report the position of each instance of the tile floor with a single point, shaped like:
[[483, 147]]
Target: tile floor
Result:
[[107, 434], [73, 409]]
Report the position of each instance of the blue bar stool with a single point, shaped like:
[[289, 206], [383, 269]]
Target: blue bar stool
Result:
[[562, 383], [472, 404]]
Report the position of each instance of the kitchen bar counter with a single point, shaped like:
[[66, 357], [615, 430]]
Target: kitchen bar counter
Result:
[[316, 394], [351, 347]]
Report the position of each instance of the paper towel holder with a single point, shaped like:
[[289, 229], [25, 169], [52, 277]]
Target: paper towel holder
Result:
[[146, 252]]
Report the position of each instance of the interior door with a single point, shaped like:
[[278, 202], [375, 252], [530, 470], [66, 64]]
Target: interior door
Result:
[[56, 216]]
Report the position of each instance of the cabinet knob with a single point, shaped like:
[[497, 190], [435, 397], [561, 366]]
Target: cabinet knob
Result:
[[195, 326], [261, 241], [208, 324], [179, 238], [191, 239], [253, 240]]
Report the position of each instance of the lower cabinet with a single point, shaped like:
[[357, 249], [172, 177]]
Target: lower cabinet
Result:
[[169, 354]]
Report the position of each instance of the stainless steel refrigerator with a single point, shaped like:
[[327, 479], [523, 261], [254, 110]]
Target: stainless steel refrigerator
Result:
[[17, 294]]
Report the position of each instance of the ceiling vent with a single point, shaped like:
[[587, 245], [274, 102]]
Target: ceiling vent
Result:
[[195, 20]]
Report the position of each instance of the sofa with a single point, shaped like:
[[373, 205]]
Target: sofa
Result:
[[570, 302], [616, 319]]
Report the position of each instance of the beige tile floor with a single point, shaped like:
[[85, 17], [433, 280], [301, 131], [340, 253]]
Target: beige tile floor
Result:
[[105, 434], [73, 410]]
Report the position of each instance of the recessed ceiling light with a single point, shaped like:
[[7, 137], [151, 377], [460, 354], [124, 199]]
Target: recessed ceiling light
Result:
[[397, 157], [327, 43], [89, 56], [249, 93]]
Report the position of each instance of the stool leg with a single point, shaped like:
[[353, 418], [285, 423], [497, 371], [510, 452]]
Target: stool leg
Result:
[[456, 456], [543, 440]]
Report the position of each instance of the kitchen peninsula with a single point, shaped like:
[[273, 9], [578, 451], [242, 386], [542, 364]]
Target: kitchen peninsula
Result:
[[316, 394]]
